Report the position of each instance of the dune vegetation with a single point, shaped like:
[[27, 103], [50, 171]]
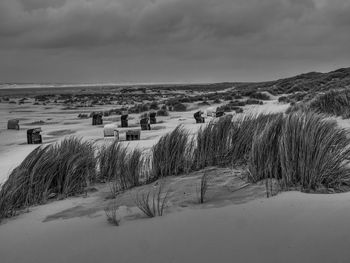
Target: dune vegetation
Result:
[[172, 154], [333, 102], [61, 169], [302, 149]]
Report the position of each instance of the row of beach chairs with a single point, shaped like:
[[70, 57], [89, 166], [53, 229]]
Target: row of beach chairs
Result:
[[34, 136], [144, 122]]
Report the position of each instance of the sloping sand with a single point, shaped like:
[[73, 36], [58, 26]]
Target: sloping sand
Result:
[[291, 227]]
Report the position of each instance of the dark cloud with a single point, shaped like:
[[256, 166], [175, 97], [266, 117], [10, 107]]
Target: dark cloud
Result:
[[120, 36]]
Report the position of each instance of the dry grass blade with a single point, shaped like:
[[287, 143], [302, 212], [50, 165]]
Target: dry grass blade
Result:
[[152, 203], [112, 214], [203, 188]]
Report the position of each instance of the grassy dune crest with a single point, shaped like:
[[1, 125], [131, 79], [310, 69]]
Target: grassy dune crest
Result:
[[120, 166], [172, 155], [314, 151], [243, 131], [213, 143], [333, 102], [64, 168], [303, 149]]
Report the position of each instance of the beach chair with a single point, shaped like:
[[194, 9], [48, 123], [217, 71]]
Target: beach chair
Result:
[[145, 124], [152, 118], [132, 135], [34, 136], [198, 117], [124, 120], [97, 119], [111, 130]]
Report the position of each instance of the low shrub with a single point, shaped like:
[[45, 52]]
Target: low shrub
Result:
[[237, 103], [139, 108], [232, 106], [225, 108], [162, 112], [154, 106], [204, 103], [179, 107], [253, 101], [259, 96], [239, 110], [300, 106], [283, 99]]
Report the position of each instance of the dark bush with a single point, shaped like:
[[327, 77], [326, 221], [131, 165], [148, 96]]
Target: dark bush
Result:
[[239, 110], [179, 107], [162, 112], [204, 103], [154, 106], [253, 101], [283, 99], [259, 96]]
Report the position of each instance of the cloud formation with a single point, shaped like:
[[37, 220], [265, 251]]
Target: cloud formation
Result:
[[233, 35]]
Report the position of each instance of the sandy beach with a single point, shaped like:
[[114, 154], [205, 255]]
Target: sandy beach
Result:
[[239, 224]]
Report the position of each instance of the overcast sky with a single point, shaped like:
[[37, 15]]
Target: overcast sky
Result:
[[170, 40]]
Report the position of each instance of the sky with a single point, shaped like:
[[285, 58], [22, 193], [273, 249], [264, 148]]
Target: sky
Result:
[[152, 41]]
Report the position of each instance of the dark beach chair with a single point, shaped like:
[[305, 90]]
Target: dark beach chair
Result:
[[34, 136], [145, 124], [132, 135], [198, 117], [124, 120], [152, 118], [97, 119]]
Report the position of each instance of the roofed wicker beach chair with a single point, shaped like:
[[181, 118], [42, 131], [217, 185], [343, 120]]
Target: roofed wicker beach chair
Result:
[[97, 119], [198, 116], [34, 136]]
